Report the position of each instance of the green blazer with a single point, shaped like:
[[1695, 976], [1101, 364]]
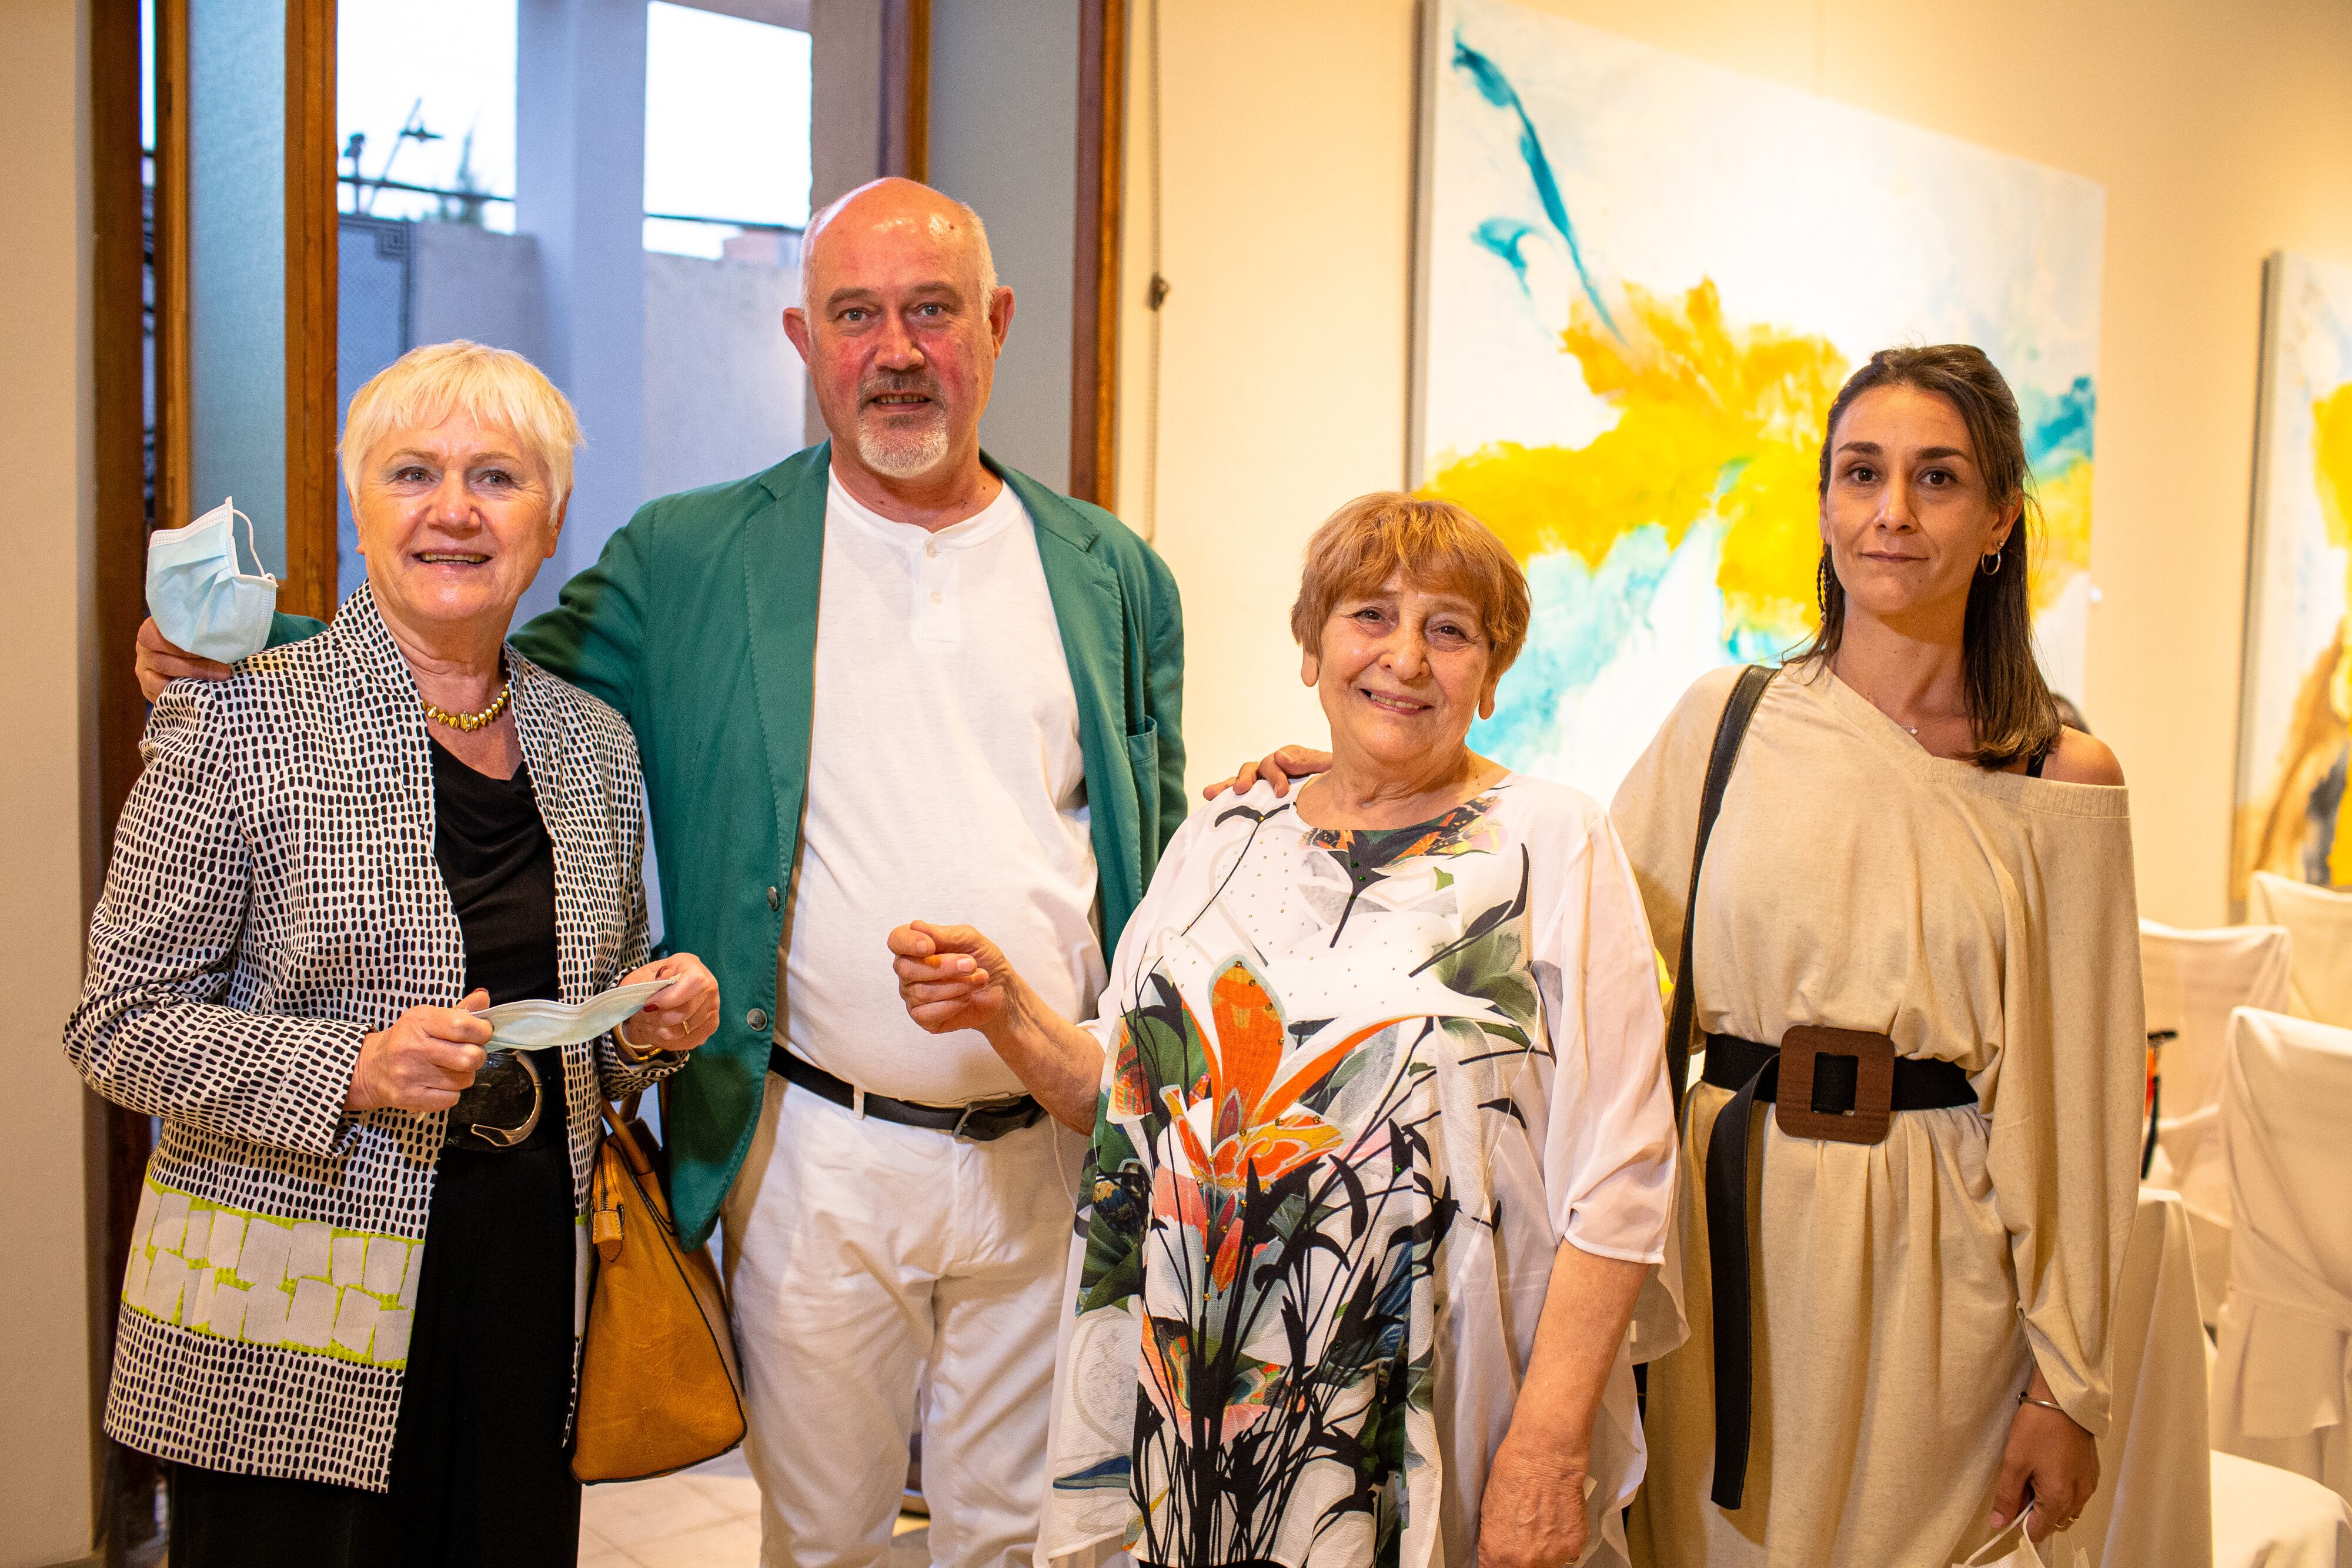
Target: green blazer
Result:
[[698, 624]]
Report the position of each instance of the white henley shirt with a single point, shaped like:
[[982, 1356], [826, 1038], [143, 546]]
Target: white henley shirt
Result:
[[946, 783]]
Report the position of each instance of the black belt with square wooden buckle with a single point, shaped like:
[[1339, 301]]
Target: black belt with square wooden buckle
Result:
[[981, 1121], [1837, 1085]]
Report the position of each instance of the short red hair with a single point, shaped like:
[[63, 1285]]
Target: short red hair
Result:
[[1435, 546]]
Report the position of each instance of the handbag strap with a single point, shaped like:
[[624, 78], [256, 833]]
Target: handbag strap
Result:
[[617, 1129], [1729, 731]]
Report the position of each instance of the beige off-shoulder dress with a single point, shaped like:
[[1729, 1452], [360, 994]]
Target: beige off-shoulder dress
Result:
[[1903, 1289]]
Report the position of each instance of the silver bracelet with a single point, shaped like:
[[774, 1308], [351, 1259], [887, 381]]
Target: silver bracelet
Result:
[[2025, 1396]]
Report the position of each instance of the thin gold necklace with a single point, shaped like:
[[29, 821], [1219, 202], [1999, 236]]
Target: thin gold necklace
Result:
[[470, 722]]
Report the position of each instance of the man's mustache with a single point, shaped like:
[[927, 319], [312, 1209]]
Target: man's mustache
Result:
[[902, 385]]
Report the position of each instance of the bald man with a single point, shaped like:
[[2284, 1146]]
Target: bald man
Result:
[[888, 677]]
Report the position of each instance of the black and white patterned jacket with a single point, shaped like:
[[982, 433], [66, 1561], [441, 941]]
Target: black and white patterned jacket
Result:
[[273, 898]]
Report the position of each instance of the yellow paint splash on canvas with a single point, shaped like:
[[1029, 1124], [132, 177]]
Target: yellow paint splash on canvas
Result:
[[2331, 461], [1715, 420], [2274, 828]]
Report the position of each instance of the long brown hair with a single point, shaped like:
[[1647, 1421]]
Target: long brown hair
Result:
[[2010, 710]]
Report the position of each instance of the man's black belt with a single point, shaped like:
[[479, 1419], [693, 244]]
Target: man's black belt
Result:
[[980, 1121], [1834, 1084]]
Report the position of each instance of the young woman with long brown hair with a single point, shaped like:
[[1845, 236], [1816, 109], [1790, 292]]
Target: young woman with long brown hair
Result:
[[1913, 954]]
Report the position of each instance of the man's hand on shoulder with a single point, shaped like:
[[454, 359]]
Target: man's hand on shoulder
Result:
[[1277, 768], [160, 664]]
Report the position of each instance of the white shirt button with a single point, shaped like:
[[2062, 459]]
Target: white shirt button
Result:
[[930, 550], [936, 596]]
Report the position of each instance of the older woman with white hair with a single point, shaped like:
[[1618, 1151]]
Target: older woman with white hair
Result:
[[350, 1318], [1382, 1142]]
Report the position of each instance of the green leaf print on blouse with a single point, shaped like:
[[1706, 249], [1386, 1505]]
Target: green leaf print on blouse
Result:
[[1367, 853]]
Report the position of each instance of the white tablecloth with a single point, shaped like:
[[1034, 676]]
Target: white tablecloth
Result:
[[2164, 1500], [2153, 1508], [2265, 1517]]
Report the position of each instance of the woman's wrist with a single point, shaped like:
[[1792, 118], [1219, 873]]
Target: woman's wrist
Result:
[[1544, 1446], [2037, 1395], [1014, 1032], [633, 1055]]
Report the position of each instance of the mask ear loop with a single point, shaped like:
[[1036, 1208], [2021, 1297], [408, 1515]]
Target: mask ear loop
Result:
[[251, 548]]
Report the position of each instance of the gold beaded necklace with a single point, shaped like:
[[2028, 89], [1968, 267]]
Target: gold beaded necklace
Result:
[[470, 722]]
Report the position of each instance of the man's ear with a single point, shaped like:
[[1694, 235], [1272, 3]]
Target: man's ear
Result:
[[796, 328], [1000, 315], [1310, 668]]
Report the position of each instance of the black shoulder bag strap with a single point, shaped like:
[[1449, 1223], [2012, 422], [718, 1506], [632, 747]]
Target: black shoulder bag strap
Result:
[[1729, 733]]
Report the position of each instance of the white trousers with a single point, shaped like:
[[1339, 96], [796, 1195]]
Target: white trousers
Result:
[[865, 1259]]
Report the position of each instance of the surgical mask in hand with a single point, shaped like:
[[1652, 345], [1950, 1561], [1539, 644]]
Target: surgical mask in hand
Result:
[[199, 598], [537, 1025]]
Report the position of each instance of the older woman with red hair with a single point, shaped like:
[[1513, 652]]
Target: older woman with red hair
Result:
[[1382, 1145]]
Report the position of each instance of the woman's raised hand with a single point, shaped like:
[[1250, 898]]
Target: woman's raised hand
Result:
[[949, 976], [682, 1014], [1277, 768], [422, 1061]]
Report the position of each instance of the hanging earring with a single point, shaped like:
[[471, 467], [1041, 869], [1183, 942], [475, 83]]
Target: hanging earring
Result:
[[1822, 582], [1992, 556]]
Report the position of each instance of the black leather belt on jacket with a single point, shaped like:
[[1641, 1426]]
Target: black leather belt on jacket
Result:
[[981, 1121], [1835, 1084]]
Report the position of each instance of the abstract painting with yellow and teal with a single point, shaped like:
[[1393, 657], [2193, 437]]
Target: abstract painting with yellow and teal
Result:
[[1642, 280], [2297, 708]]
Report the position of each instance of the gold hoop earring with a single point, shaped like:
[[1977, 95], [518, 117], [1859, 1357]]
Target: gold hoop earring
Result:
[[1994, 557]]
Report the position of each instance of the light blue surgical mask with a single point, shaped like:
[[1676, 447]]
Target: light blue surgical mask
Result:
[[199, 598]]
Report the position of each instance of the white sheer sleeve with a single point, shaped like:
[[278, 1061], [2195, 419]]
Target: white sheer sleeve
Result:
[[1609, 1146]]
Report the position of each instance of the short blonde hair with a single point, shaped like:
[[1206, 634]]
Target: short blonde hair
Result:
[[490, 386], [1435, 546]]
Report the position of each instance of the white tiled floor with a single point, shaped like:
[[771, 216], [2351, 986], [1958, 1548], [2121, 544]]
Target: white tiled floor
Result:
[[708, 1517]]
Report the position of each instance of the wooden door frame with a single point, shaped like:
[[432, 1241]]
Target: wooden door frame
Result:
[[124, 1506], [905, 145], [310, 254], [1093, 303]]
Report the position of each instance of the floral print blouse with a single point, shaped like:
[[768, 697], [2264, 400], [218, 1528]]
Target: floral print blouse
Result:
[[1359, 1086]]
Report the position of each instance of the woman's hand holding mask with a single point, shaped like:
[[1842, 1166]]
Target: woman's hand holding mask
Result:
[[681, 1015], [422, 1061]]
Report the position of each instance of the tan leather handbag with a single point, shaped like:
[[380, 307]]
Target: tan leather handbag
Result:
[[659, 1389]]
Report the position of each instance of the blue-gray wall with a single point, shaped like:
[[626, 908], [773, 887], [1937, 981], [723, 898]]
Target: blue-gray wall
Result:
[[237, 263]]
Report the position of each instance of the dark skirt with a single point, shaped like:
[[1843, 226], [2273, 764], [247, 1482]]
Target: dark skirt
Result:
[[481, 1466]]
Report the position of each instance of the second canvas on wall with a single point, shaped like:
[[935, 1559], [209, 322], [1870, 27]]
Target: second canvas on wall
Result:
[[2295, 739], [1642, 280]]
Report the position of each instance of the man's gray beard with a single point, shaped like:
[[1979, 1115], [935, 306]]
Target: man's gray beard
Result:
[[904, 457]]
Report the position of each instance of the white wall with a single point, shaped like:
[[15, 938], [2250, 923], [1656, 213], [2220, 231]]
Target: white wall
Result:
[[1005, 140], [2221, 132], [48, 776], [723, 385], [470, 282]]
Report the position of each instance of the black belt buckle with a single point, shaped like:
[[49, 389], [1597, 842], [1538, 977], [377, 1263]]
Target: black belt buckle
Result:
[[1873, 1111], [507, 1088], [1009, 1105]]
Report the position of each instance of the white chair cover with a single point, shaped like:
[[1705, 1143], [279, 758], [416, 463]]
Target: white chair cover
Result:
[[2153, 1506], [2265, 1517], [2319, 983], [2282, 1379], [2194, 980]]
